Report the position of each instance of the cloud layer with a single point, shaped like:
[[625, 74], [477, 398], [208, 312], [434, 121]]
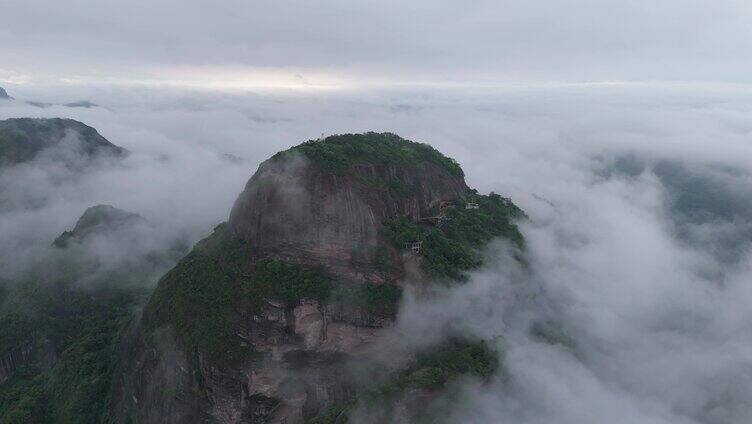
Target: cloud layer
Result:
[[659, 321]]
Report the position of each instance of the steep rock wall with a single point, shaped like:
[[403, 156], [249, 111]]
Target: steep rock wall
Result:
[[297, 368], [296, 211]]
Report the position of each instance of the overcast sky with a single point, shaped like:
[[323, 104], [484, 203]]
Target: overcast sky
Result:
[[346, 44], [660, 321]]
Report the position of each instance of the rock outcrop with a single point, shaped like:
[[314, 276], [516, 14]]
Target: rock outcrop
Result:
[[297, 368], [294, 209], [263, 321]]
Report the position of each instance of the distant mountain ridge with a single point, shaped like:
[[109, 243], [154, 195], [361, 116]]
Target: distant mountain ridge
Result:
[[23, 139], [4, 94], [80, 103], [96, 220]]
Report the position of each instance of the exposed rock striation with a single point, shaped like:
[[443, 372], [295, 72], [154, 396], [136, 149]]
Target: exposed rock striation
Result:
[[297, 210]]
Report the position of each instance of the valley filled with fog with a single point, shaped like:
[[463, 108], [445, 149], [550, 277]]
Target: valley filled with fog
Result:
[[639, 198]]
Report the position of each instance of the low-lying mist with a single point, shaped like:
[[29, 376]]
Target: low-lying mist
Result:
[[637, 243]]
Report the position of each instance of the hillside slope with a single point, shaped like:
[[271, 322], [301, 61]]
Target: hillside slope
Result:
[[23, 139], [60, 323]]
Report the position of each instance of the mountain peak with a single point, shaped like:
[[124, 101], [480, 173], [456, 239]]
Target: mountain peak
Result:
[[305, 277], [341, 152], [98, 219], [323, 202]]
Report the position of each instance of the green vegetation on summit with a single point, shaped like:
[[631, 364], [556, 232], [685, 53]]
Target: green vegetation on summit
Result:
[[339, 153]]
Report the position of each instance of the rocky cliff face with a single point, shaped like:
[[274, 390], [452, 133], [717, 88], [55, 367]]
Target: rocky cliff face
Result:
[[273, 317], [295, 210], [298, 368]]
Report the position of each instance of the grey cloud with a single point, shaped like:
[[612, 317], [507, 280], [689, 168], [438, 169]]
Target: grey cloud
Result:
[[575, 40], [656, 337]]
